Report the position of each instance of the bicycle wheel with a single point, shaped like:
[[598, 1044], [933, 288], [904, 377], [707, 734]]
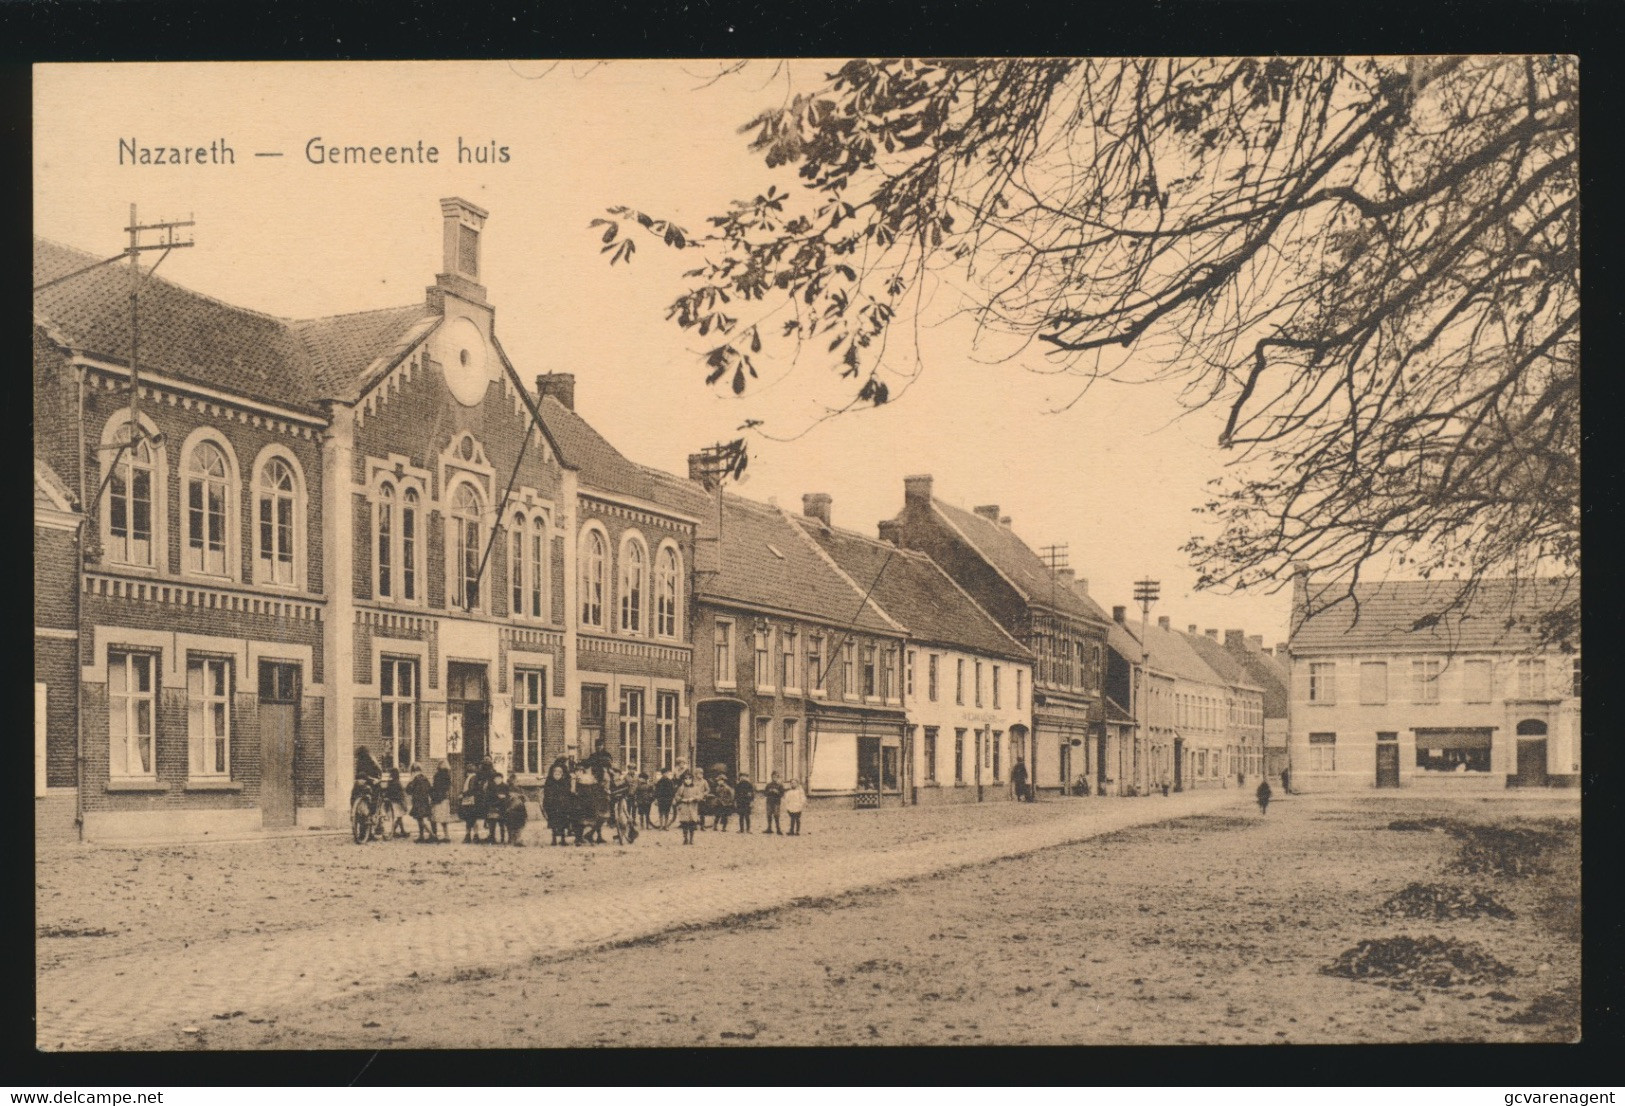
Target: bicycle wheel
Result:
[[360, 821]]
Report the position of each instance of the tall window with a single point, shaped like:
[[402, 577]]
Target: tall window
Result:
[[932, 664], [1322, 752], [815, 664], [208, 715], [724, 643], [594, 705], [129, 505], [996, 687], [398, 717], [1018, 688], [1532, 678], [978, 684], [1575, 666], [594, 554], [409, 545], [131, 707], [631, 728], [529, 703], [888, 670], [788, 759], [276, 504], [959, 681], [869, 684], [959, 756], [464, 562], [849, 671], [759, 751], [667, 574], [665, 730], [908, 676], [764, 658], [634, 582], [539, 566], [1323, 682], [1425, 681], [1476, 681], [386, 540], [516, 564], [787, 657], [929, 752], [998, 755], [208, 486]]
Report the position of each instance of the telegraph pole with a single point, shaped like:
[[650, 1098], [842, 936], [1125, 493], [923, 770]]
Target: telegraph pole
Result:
[[1146, 592], [715, 464]]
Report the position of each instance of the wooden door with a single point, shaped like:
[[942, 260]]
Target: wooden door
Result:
[[279, 723], [1531, 762], [1388, 764]]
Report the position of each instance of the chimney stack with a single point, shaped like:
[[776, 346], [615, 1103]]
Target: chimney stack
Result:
[[562, 387], [1065, 575], [1119, 613], [1083, 584], [1235, 640], [1257, 641], [461, 224], [891, 530], [1005, 522], [1280, 649], [1191, 629], [816, 505], [1162, 622], [917, 488], [696, 469], [989, 512], [1214, 634]]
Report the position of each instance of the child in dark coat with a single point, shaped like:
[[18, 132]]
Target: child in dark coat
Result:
[[722, 801], [422, 806], [665, 796], [514, 813], [395, 799], [644, 799], [772, 797], [558, 803], [744, 796]]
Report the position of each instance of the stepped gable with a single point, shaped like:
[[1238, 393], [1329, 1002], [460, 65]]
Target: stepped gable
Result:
[[195, 338], [1010, 555], [768, 562], [1503, 614], [915, 592]]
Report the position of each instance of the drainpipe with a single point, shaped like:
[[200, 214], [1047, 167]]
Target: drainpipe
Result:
[[78, 616]]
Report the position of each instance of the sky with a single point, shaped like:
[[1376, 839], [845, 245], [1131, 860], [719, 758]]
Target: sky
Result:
[[1115, 476]]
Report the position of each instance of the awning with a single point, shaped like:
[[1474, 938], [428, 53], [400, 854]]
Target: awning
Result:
[[1453, 739]]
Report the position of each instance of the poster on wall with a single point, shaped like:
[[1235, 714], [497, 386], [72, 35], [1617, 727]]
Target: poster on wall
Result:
[[454, 734]]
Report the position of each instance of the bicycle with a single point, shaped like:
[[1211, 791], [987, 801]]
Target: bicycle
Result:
[[366, 812]]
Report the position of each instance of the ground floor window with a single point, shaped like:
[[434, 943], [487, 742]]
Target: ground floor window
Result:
[[208, 715], [959, 756], [758, 748], [998, 759], [594, 708], [529, 703], [1453, 750], [929, 753], [788, 762], [131, 707], [631, 728], [1322, 752], [665, 730], [398, 719]]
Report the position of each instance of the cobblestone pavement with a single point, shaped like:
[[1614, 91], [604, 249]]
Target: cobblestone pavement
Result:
[[106, 1003]]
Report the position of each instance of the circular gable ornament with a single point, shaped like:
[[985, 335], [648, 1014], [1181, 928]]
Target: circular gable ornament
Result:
[[465, 362]]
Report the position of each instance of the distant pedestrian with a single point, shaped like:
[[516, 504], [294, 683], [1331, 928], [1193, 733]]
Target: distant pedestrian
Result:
[[1263, 796], [440, 799], [514, 812], [643, 798], [1018, 779], [665, 795], [722, 800], [1286, 784], [557, 803], [772, 799], [496, 809], [744, 796], [421, 805], [795, 801], [689, 795]]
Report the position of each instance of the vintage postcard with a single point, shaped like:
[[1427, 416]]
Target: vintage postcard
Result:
[[541, 554]]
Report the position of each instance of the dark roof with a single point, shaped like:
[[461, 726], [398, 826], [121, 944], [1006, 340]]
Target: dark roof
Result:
[[1123, 641], [601, 467], [1265, 672], [915, 592], [1502, 614], [1221, 660], [770, 562], [196, 338], [1000, 547]]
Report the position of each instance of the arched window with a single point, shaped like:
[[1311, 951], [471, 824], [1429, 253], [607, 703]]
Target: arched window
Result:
[[464, 562], [129, 503], [634, 582], [208, 489], [386, 540], [277, 496], [516, 564], [666, 577], [594, 554], [540, 567], [409, 545]]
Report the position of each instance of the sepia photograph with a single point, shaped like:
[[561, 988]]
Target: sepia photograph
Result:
[[541, 554]]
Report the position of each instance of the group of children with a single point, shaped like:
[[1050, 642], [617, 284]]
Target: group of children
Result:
[[579, 798]]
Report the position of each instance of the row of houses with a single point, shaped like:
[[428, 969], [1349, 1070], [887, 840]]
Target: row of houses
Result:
[[277, 540]]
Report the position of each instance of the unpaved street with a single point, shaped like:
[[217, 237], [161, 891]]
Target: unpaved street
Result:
[[1214, 927]]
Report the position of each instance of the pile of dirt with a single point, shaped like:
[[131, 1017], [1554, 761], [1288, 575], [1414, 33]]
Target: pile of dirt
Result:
[[1406, 962], [1442, 902], [1510, 851]]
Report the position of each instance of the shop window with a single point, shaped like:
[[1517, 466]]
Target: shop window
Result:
[[1453, 751]]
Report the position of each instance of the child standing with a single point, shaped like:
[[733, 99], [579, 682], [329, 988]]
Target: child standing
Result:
[[514, 813], [772, 796], [395, 803], [665, 795], [795, 801], [422, 806], [744, 796], [689, 795], [644, 797], [722, 801], [440, 798], [558, 802]]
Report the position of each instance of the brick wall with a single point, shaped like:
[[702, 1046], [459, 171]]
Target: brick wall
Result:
[[56, 665], [56, 410]]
